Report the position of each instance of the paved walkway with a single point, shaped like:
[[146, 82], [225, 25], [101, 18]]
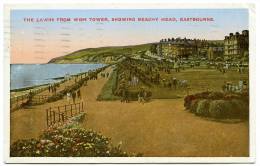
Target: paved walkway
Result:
[[30, 122]]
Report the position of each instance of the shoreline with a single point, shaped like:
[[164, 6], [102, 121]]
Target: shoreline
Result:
[[54, 79], [27, 88]]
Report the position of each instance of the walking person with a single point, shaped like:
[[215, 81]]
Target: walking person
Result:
[[126, 96], [123, 95], [30, 96], [174, 83], [79, 94], [145, 96], [86, 83], [68, 97], [141, 96]]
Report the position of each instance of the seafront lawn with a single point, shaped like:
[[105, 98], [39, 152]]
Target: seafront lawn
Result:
[[198, 80]]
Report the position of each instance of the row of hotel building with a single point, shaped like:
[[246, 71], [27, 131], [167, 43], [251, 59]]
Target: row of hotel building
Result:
[[234, 46]]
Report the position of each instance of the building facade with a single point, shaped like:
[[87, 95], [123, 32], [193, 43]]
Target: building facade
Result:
[[176, 48], [214, 52], [179, 48], [236, 45]]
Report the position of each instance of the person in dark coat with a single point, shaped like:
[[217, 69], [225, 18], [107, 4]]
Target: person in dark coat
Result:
[[79, 94]]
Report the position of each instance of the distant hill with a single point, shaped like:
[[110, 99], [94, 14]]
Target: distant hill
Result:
[[101, 54], [108, 54]]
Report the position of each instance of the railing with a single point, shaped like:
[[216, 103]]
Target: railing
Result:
[[18, 101], [36, 91], [38, 99], [61, 114]]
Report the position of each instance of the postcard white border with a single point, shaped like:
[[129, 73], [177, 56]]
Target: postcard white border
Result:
[[252, 61]]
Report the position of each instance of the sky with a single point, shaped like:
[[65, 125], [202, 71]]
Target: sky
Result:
[[39, 42]]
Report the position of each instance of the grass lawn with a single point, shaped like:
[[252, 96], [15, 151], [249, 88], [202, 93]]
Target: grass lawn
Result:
[[106, 92], [198, 80]]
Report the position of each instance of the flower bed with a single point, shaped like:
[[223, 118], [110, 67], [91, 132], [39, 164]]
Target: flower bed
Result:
[[218, 105], [68, 140]]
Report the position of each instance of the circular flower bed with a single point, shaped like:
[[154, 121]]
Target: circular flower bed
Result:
[[218, 105]]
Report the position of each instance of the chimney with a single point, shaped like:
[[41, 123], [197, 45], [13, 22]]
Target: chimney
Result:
[[245, 32]]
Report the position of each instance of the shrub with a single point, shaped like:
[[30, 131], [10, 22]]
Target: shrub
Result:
[[229, 109], [230, 96], [240, 109], [203, 107], [218, 104], [202, 95], [67, 142], [188, 100], [216, 95], [194, 105], [215, 108]]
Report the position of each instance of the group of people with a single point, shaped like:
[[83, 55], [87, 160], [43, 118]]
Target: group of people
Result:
[[224, 67], [231, 87], [105, 75], [53, 88], [73, 95], [142, 95], [175, 83], [133, 81]]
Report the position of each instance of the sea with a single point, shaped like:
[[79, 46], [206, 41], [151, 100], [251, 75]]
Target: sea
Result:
[[28, 75]]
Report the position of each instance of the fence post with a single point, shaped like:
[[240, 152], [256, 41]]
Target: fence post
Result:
[[59, 113], [47, 117], [54, 117], [71, 110], [79, 108], [82, 107], [75, 108], [66, 111], [62, 117], [50, 116]]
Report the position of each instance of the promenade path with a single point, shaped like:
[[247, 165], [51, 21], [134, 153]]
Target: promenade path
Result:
[[61, 87], [43, 95], [30, 122], [157, 128]]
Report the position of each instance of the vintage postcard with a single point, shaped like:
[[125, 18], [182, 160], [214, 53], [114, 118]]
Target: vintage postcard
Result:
[[129, 84]]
